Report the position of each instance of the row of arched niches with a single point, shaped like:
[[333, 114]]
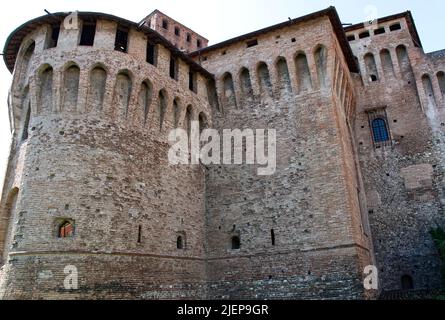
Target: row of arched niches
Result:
[[73, 83]]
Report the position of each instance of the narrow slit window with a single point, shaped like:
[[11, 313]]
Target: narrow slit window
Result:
[[272, 236], [140, 234], [88, 34], [121, 42]]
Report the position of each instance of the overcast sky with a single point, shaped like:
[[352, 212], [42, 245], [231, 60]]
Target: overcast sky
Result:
[[217, 20]]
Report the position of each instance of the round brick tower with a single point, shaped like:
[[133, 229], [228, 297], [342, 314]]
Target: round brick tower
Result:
[[88, 183]]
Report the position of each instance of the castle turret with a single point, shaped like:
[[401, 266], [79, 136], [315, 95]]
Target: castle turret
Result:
[[89, 187]]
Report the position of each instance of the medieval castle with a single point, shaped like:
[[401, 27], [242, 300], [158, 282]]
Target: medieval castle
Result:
[[360, 120]]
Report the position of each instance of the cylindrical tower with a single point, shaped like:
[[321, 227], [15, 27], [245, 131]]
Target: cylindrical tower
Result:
[[89, 191]]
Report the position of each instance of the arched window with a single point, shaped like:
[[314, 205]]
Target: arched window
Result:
[[122, 93], [45, 97], [407, 283], [236, 243], [428, 88], [385, 57], [380, 130], [403, 59], [8, 216], [66, 229], [179, 243], [303, 73]]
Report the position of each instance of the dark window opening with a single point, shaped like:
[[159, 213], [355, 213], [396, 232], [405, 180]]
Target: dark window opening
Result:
[[374, 78], [121, 42], [165, 24], [189, 37], [395, 27], [173, 68], [52, 42], [88, 34], [198, 43], [379, 31], [236, 243], [294, 40], [140, 234], [407, 283], [252, 43], [272, 236], [151, 53], [66, 230], [180, 243], [380, 131], [364, 35], [177, 31], [192, 81], [351, 37], [25, 133]]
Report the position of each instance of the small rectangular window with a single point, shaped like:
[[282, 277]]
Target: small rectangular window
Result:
[[54, 37], [88, 34], [173, 68], [151, 53], [365, 34], [121, 42], [199, 43], [351, 37], [252, 43], [193, 81], [177, 31], [395, 27], [189, 37]]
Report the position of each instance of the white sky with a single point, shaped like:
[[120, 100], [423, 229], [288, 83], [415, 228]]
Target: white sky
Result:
[[217, 20]]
